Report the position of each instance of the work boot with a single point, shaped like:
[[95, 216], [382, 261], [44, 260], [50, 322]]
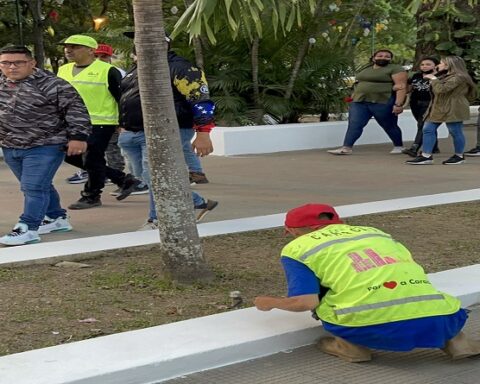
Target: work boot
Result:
[[461, 347], [86, 202], [343, 349]]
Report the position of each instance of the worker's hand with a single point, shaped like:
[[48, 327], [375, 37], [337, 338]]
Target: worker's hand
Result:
[[202, 145], [264, 303], [76, 147]]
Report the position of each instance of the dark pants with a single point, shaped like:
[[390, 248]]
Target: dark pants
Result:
[[94, 161], [360, 113], [418, 111]]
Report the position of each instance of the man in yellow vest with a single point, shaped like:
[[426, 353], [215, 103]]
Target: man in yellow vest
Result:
[[98, 83], [365, 288]]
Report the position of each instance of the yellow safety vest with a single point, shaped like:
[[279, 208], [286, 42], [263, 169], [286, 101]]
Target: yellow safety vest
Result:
[[92, 85], [372, 278]]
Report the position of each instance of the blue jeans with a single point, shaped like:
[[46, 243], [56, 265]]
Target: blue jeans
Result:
[[35, 169], [192, 160], [430, 135], [134, 146], [152, 214], [360, 113]]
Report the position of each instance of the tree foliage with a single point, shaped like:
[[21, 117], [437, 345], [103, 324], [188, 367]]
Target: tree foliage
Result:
[[259, 55]]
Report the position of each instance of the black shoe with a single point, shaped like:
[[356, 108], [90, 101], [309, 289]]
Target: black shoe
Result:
[[204, 208], [412, 152], [140, 190], [420, 160], [86, 202], [455, 159], [129, 185], [436, 150], [473, 152]]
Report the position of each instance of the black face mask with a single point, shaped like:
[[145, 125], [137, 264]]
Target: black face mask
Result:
[[381, 62], [427, 72]]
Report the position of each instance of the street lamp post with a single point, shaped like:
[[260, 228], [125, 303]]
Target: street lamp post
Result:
[[19, 22]]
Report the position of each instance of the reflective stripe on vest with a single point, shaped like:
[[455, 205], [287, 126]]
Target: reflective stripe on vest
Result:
[[370, 277], [338, 241], [391, 303]]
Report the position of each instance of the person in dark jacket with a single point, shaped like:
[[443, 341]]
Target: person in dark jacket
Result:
[[42, 117], [420, 98], [194, 109], [187, 99]]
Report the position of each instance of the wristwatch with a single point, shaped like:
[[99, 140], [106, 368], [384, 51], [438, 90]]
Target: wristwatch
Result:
[[400, 106]]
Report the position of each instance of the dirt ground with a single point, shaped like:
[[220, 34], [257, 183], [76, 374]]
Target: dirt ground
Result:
[[45, 305]]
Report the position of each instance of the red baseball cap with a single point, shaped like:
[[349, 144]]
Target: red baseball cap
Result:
[[104, 49], [308, 215]]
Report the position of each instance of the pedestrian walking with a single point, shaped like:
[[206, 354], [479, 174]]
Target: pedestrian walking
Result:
[[132, 138], [113, 154], [452, 88], [98, 83], [42, 118], [420, 98], [374, 96]]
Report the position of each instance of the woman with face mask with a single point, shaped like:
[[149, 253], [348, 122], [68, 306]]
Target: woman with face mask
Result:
[[452, 88], [420, 97], [374, 96]]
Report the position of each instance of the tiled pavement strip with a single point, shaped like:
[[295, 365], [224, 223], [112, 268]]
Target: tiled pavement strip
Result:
[[307, 365]]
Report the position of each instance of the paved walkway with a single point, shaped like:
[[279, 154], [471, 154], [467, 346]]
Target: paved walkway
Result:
[[307, 365], [256, 185]]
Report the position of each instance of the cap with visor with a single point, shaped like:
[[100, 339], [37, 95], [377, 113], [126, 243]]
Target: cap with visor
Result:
[[308, 215], [86, 41]]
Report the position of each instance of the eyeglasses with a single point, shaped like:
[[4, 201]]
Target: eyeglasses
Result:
[[16, 63]]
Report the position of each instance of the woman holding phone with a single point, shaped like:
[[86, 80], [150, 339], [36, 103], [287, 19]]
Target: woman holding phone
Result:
[[452, 87]]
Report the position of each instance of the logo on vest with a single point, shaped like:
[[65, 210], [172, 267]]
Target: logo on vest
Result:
[[373, 260], [390, 284], [393, 284]]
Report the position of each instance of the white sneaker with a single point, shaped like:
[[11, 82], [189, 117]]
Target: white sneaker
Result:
[[60, 224], [148, 225], [340, 151], [20, 235], [397, 150]]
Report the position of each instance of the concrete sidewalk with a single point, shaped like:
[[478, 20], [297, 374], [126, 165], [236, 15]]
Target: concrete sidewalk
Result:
[[307, 365], [258, 185]]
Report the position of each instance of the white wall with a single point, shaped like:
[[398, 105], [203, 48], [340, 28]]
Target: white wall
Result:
[[229, 141]]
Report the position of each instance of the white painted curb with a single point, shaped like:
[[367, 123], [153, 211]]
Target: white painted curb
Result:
[[167, 351]]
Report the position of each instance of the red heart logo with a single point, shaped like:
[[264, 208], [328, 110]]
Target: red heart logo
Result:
[[390, 284]]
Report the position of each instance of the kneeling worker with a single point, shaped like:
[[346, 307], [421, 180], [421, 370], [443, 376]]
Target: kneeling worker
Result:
[[365, 288]]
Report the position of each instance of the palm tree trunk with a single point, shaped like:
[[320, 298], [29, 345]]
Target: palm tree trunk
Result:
[[256, 87], [180, 247], [302, 50]]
